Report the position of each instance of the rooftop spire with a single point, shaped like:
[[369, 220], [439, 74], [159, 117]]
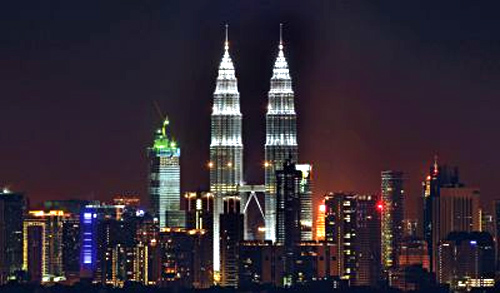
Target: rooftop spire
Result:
[[281, 36], [226, 43], [436, 166], [280, 70]]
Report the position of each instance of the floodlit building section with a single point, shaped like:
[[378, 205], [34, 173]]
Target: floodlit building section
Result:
[[165, 179], [226, 146], [281, 134]]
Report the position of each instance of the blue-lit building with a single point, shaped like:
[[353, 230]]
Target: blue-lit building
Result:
[[88, 252], [165, 179]]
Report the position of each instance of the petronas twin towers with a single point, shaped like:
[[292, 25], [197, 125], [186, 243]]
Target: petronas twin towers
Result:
[[226, 147]]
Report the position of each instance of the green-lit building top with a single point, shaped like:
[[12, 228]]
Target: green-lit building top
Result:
[[163, 144]]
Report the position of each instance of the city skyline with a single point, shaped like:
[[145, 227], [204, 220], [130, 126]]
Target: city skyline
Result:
[[341, 117]]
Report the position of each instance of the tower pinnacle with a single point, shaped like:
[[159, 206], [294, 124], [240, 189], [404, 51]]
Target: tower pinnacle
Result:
[[281, 36], [436, 166], [226, 43]]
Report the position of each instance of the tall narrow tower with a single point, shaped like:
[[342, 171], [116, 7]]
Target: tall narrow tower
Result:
[[165, 179], [281, 134], [392, 216], [226, 147]]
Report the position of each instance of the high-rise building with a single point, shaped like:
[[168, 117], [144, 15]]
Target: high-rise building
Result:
[[164, 179], [449, 206], [306, 205], [88, 252], [320, 222], [200, 216], [367, 240], [43, 245], [288, 206], [281, 134], [352, 222], [288, 216], [392, 226], [226, 146], [497, 231], [487, 222], [182, 255], [12, 206], [467, 260], [340, 227], [231, 234], [71, 247]]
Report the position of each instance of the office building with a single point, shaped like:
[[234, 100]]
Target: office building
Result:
[[352, 223], [497, 231], [164, 179], [340, 227], [281, 135], [392, 200], [466, 260], [71, 246], [449, 206], [288, 216], [306, 205], [12, 207], [43, 246], [320, 222], [231, 234], [367, 240]]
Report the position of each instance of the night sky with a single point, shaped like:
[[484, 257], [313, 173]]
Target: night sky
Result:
[[378, 86]]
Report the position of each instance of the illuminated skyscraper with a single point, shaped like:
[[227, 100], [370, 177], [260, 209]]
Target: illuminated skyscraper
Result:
[[392, 217], [306, 210], [449, 206], [367, 240], [43, 246], [165, 179], [281, 134], [352, 222], [12, 207], [226, 146], [340, 226], [320, 222]]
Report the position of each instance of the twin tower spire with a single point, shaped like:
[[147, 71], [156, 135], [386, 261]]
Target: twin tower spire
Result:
[[226, 147]]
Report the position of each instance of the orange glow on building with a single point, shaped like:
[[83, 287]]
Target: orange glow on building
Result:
[[320, 223]]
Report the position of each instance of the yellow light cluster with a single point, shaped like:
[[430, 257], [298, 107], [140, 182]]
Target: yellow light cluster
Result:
[[40, 213]]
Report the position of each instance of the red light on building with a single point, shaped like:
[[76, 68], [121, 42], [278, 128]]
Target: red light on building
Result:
[[380, 206]]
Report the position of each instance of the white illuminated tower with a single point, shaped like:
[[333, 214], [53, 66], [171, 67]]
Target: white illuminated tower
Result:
[[226, 147], [281, 134], [165, 179]]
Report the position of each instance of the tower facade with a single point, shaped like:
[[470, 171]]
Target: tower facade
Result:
[[392, 217], [226, 146], [12, 208], [165, 180], [281, 134], [449, 206], [306, 206]]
